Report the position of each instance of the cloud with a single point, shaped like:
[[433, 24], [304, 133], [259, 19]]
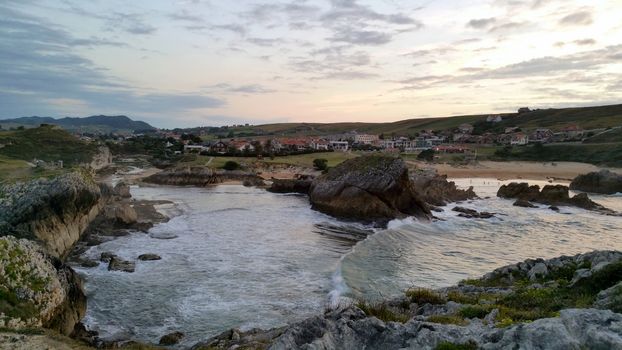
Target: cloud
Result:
[[335, 62], [580, 18], [361, 37], [245, 89], [129, 22], [184, 16], [585, 42], [46, 71], [481, 23]]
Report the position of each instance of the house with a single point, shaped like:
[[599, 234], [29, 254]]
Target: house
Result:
[[219, 147], [504, 139], [542, 136], [519, 139], [365, 139], [195, 148], [523, 110], [342, 146], [320, 145], [494, 119], [573, 132], [242, 146], [387, 144], [294, 145]]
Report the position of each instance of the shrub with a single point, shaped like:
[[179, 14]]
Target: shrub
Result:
[[448, 319], [382, 312], [425, 296], [231, 165], [320, 164], [427, 155], [474, 311], [470, 345]]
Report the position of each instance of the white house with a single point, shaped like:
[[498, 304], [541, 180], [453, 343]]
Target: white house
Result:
[[494, 119], [342, 146], [519, 139], [365, 138], [195, 148]]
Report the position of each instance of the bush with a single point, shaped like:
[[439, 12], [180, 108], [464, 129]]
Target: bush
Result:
[[425, 296], [427, 155], [382, 312], [231, 165], [320, 164]]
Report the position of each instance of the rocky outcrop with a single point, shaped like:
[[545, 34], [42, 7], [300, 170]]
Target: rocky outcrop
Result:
[[101, 159], [37, 291], [198, 176], [53, 211], [434, 189], [149, 257], [604, 181], [172, 338], [122, 190], [368, 188], [118, 264], [553, 195], [301, 186], [519, 306], [472, 213]]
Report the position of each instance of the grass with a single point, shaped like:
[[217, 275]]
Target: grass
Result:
[[382, 311], [301, 160], [599, 154], [423, 296]]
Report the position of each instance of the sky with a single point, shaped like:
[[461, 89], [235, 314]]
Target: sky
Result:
[[182, 63]]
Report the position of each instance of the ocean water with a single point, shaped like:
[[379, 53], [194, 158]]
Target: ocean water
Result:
[[243, 257]]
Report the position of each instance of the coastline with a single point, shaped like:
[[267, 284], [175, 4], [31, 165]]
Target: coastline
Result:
[[541, 171]]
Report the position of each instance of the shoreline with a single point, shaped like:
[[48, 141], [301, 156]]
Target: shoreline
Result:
[[541, 171]]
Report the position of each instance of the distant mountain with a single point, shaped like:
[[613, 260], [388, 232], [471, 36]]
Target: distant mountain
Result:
[[94, 124]]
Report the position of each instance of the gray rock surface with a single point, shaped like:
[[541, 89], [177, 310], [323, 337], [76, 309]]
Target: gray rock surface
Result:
[[149, 257], [118, 264], [435, 190], [199, 176], [604, 181], [368, 188]]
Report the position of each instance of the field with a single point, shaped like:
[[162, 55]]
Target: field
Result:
[[302, 160], [556, 119]]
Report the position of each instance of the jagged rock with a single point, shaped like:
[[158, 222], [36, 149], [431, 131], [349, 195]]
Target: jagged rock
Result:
[[554, 208], [149, 257], [471, 213], [552, 195], [122, 190], [254, 182], [604, 181], [53, 211], [523, 203], [45, 292], [435, 190], [172, 338], [118, 264], [368, 188], [539, 270], [610, 299], [106, 257], [290, 186], [121, 213], [199, 176]]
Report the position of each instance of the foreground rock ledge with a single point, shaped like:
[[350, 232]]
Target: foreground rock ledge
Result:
[[424, 319], [368, 188]]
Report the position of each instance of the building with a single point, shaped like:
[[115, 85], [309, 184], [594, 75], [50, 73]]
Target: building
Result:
[[342, 146], [466, 129], [365, 139], [519, 139], [524, 110], [219, 147], [542, 136], [195, 148], [294, 145], [320, 145]]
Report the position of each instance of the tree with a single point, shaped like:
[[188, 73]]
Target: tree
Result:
[[231, 165], [427, 155], [320, 164]]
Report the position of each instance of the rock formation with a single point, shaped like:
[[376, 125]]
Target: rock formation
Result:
[[198, 176], [435, 190], [37, 291], [301, 186], [604, 181], [552, 195], [368, 188], [53, 211], [488, 313]]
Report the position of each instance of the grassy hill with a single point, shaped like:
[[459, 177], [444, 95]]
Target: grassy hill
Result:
[[99, 124], [47, 143], [555, 119]]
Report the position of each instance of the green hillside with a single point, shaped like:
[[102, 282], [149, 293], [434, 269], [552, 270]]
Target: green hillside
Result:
[[555, 119], [46, 143], [99, 124]]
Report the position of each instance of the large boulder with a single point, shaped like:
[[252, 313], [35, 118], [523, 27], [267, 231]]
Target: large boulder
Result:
[[434, 189], [36, 290], [603, 181], [369, 188], [122, 190]]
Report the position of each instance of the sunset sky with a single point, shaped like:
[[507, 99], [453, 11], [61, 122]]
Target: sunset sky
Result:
[[213, 62]]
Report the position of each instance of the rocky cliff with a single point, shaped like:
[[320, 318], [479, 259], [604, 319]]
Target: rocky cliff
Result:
[[198, 176], [101, 159], [369, 188], [435, 190], [603, 181], [35, 290], [54, 212], [535, 304]]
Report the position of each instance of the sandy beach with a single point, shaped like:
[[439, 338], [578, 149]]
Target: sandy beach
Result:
[[559, 171]]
